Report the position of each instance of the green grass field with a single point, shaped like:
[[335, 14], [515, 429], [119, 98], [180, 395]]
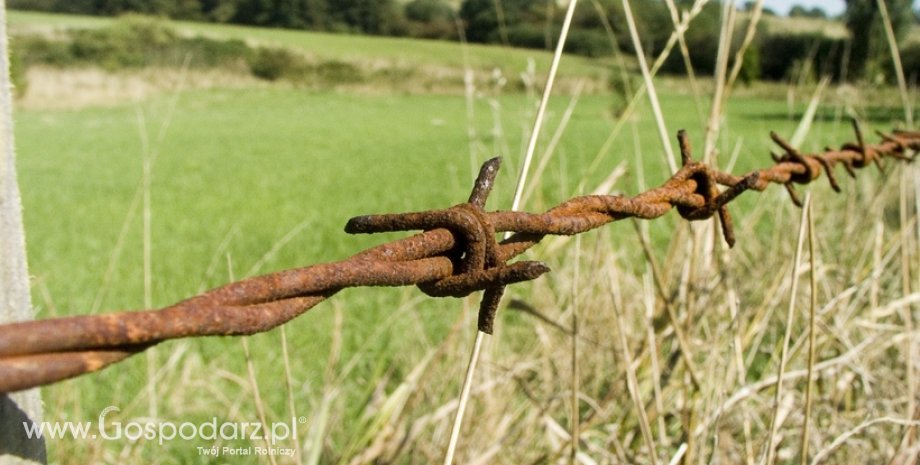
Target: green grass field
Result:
[[236, 170]]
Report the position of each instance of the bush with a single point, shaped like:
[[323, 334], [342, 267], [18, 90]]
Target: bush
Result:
[[133, 42], [18, 77], [338, 72], [33, 50], [137, 41], [750, 66], [274, 63]]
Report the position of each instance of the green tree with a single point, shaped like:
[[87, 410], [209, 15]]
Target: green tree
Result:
[[869, 48], [367, 16], [801, 11], [431, 19], [426, 11], [797, 10], [294, 14], [220, 11], [702, 38], [482, 22]]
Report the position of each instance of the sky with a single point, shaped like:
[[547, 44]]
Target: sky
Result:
[[831, 7]]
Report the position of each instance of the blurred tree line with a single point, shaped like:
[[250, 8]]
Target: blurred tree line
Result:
[[598, 27]]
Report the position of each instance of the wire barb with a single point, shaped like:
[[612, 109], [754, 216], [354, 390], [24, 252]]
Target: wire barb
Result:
[[455, 255]]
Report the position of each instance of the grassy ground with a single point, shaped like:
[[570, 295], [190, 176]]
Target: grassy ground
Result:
[[375, 372]]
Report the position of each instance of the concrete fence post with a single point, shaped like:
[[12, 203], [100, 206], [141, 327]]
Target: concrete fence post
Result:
[[25, 407]]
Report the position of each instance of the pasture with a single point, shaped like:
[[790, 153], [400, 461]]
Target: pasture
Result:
[[254, 179]]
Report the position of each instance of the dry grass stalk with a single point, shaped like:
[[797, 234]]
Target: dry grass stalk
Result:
[[775, 422], [898, 67], [650, 87], [688, 65], [720, 91], [575, 420], [812, 333], [257, 398], [632, 383]]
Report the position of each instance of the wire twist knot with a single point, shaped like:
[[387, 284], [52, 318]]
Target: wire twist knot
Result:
[[476, 260], [707, 188]]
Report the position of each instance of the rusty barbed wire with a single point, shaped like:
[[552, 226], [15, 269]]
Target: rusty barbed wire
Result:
[[455, 255]]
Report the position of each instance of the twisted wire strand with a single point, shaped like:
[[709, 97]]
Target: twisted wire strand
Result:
[[455, 255]]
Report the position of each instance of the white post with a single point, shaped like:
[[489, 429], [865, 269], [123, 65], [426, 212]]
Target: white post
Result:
[[25, 407]]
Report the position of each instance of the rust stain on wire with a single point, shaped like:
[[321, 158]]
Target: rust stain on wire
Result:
[[455, 255]]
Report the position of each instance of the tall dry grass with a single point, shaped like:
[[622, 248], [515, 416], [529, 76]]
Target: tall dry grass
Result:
[[639, 401], [689, 359], [695, 353]]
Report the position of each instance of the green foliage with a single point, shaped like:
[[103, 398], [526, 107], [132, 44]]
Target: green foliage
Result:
[[401, 52], [31, 50], [426, 11], [910, 62], [133, 42], [520, 23], [18, 77], [799, 11], [179, 9], [480, 20], [536, 24], [212, 53], [702, 38], [783, 56], [380, 17], [870, 49], [431, 19], [750, 66], [274, 63], [337, 72], [653, 22], [117, 48], [483, 21], [622, 85], [365, 16], [437, 29], [590, 43], [299, 14], [529, 36]]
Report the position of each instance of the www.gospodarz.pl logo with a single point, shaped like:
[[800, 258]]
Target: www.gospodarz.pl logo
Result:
[[168, 431]]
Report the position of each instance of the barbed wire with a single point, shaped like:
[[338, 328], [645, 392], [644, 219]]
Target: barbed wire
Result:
[[455, 255]]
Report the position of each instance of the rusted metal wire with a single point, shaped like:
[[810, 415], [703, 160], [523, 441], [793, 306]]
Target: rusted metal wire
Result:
[[455, 255]]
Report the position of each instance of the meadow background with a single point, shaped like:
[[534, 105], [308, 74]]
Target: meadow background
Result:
[[232, 151]]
